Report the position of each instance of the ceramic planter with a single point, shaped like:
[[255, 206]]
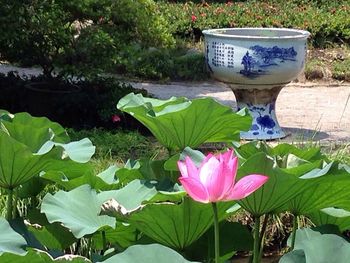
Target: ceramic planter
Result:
[[256, 63]]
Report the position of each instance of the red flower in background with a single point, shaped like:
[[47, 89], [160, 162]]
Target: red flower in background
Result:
[[115, 118], [193, 18]]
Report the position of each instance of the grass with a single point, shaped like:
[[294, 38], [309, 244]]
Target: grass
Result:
[[338, 152], [116, 147]]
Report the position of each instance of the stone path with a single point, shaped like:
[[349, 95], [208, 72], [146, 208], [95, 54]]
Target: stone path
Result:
[[308, 111]]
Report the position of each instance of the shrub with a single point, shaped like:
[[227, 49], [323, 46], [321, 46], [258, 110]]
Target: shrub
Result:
[[34, 32], [151, 63], [163, 64], [91, 104], [78, 36], [191, 66]]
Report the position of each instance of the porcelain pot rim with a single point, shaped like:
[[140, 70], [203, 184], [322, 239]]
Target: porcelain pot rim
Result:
[[288, 33]]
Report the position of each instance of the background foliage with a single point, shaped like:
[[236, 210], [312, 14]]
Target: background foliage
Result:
[[146, 39]]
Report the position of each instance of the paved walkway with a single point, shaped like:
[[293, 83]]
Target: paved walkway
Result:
[[308, 111]]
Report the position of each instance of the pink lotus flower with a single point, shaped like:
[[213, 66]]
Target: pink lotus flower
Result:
[[214, 180]]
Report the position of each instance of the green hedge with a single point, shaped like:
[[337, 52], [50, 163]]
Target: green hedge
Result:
[[327, 21]]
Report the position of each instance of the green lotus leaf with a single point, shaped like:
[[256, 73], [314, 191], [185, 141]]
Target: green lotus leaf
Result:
[[38, 256], [52, 236], [196, 157], [29, 145], [79, 151], [106, 180], [148, 254], [324, 188], [247, 150], [79, 209], [327, 185], [175, 195], [18, 164], [19, 225], [33, 131], [10, 240], [31, 188], [120, 199], [295, 256], [113, 177], [278, 190], [309, 153], [176, 225], [179, 122], [69, 174], [318, 248], [234, 237], [72, 175], [289, 158], [124, 235], [333, 216]]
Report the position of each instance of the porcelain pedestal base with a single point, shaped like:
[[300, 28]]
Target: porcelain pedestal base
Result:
[[261, 104]]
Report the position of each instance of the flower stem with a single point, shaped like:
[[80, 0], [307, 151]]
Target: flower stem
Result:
[[262, 235], [294, 231], [9, 205], [256, 251], [14, 203], [88, 249], [104, 242], [216, 233]]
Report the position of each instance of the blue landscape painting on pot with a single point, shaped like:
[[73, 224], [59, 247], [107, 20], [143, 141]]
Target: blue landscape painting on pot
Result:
[[259, 59]]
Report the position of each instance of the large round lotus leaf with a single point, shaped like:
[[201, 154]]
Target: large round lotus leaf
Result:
[[79, 209], [289, 158], [10, 240], [331, 216], [279, 189], [28, 145], [176, 225], [148, 254], [326, 187], [179, 122], [69, 174], [34, 131], [79, 151], [18, 164]]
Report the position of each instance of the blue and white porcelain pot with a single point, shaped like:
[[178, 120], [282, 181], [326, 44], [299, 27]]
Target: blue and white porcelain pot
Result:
[[256, 63]]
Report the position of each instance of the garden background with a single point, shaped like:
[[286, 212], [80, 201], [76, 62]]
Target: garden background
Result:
[[88, 50]]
